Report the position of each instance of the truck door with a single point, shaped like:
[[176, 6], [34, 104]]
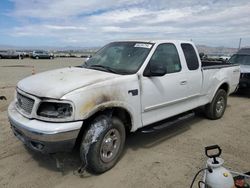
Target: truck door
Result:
[[193, 73], [163, 96]]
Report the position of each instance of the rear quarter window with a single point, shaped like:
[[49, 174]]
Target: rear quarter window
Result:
[[190, 56]]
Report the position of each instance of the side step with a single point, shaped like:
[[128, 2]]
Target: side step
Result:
[[171, 121]]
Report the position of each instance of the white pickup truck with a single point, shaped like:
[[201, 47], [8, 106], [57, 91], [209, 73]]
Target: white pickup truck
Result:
[[125, 86]]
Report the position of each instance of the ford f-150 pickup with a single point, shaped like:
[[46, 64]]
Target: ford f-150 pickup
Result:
[[125, 86]]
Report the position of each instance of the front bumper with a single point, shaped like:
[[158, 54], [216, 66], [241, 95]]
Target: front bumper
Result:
[[244, 80], [244, 83], [45, 137]]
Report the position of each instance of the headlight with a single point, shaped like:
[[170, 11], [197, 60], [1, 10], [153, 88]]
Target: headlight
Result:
[[55, 110]]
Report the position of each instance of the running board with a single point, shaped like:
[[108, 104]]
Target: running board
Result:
[[168, 123]]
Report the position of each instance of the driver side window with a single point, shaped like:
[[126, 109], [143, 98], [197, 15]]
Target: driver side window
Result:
[[167, 55]]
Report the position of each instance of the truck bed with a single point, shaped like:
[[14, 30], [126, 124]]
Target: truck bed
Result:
[[215, 72], [215, 65]]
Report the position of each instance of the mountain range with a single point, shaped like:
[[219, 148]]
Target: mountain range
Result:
[[201, 48]]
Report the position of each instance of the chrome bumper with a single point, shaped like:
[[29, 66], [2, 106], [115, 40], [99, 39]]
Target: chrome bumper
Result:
[[47, 137]]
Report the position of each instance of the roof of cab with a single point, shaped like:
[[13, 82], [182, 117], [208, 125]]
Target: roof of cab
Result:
[[156, 41]]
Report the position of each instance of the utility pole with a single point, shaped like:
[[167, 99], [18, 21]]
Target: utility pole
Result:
[[239, 43]]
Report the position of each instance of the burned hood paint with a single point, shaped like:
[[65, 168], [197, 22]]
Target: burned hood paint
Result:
[[56, 83]]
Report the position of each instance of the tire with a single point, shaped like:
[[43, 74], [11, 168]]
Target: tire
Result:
[[51, 57], [37, 57], [217, 107], [103, 143]]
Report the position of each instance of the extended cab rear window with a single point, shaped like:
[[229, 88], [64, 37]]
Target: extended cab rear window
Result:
[[190, 56]]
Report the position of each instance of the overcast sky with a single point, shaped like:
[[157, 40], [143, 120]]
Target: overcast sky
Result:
[[96, 22]]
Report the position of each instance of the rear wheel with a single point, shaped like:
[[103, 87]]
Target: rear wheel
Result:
[[103, 143], [37, 57], [217, 107]]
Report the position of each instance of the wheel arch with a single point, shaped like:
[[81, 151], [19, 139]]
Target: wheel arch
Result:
[[119, 111], [223, 85]]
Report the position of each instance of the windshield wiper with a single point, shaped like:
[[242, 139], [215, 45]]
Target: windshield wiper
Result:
[[102, 67]]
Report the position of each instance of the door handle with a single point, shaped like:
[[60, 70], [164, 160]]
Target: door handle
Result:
[[183, 82]]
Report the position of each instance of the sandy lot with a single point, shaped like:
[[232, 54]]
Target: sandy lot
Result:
[[166, 159]]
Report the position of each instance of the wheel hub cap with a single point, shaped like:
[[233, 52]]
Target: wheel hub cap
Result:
[[110, 145], [220, 105]]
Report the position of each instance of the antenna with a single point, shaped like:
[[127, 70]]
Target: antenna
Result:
[[239, 43]]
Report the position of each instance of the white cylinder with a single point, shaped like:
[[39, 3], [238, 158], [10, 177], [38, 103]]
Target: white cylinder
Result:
[[220, 177]]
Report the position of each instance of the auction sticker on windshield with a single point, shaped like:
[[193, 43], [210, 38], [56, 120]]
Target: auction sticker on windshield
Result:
[[143, 45]]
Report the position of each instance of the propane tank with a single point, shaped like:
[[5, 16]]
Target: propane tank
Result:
[[217, 176]]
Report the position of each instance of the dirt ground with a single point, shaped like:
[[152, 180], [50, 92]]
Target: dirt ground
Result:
[[169, 158]]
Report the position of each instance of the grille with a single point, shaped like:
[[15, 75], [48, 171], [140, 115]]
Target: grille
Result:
[[247, 75], [25, 103]]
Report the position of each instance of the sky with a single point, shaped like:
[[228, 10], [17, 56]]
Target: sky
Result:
[[94, 23]]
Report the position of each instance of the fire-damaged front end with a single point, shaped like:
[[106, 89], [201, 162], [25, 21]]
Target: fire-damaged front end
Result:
[[50, 108], [43, 125]]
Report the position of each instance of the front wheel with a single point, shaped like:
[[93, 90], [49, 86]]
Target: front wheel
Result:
[[103, 143], [217, 107]]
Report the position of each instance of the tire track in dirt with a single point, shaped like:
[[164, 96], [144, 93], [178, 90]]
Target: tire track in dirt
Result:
[[3, 108]]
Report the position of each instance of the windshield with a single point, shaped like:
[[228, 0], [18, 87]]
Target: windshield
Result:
[[240, 59], [120, 57]]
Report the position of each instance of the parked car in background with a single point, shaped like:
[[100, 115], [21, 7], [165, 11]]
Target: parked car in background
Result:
[[242, 57], [10, 54], [42, 55]]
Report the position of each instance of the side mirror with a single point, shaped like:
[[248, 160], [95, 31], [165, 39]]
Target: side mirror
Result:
[[155, 69]]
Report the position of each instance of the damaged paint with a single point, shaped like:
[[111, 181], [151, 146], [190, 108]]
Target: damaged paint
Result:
[[56, 83], [108, 93], [98, 126], [100, 100], [94, 101]]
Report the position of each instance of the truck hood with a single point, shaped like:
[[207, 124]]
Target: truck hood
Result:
[[245, 68], [56, 83]]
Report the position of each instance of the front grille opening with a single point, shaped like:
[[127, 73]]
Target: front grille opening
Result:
[[24, 103]]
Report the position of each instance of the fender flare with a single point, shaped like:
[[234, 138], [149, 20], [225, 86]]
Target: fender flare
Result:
[[108, 105], [217, 88]]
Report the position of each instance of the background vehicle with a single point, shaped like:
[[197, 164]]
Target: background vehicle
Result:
[[42, 55], [10, 54], [124, 87], [242, 57]]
